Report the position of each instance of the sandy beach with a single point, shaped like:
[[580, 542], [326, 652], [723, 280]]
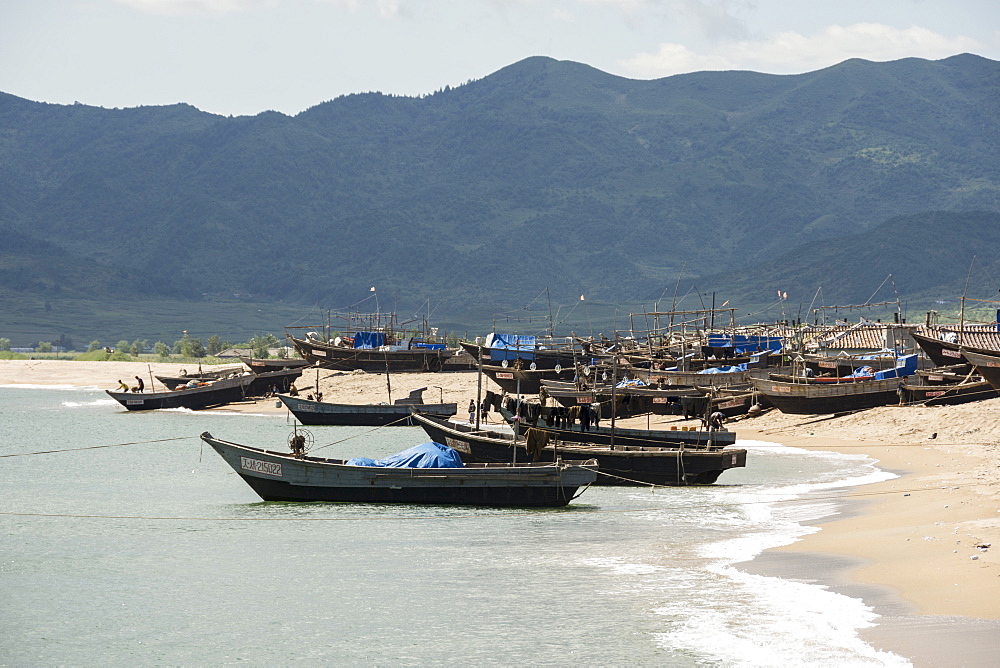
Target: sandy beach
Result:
[[923, 549]]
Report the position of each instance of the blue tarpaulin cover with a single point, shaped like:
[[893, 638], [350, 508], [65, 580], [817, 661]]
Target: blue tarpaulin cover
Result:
[[512, 347], [429, 455], [429, 346], [369, 340], [742, 343], [725, 369]]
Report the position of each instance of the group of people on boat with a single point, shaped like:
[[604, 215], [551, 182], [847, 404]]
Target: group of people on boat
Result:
[[138, 387]]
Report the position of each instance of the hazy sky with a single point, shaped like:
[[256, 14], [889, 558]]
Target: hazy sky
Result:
[[246, 56]]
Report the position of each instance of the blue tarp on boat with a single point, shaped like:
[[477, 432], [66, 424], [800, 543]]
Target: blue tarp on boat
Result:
[[743, 343], [429, 455], [512, 347], [905, 366], [369, 340], [429, 346], [725, 369]]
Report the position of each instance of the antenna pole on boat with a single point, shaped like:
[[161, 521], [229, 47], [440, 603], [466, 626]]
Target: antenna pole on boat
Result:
[[961, 317], [551, 327], [614, 406], [517, 415], [388, 383], [479, 388]]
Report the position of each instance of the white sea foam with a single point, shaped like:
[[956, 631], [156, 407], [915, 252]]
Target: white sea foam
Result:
[[86, 404], [73, 388], [763, 620]]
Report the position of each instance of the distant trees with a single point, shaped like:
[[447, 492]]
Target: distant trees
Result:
[[93, 345], [122, 346], [214, 345], [161, 349], [4, 343], [43, 347], [259, 345], [137, 347]]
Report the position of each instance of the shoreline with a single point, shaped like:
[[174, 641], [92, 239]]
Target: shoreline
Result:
[[906, 547]]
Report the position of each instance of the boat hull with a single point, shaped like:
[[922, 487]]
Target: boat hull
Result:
[[349, 359], [371, 415], [949, 394], [218, 393], [621, 465], [825, 398], [281, 477]]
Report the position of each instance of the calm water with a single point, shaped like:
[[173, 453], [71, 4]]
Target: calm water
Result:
[[156, 553]]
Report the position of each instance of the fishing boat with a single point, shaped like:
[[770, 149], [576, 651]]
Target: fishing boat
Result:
[[344, 356], [370, 342], [203, 395], [944, 387], [987, 365], [430, 473], [620, 464], [952, 349], [258, 365], [310, 412], [183, 376], [625, 436], [867, 388]]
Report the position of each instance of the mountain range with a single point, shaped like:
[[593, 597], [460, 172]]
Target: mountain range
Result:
[[546, 175]]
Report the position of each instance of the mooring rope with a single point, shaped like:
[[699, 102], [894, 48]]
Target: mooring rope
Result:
[[95, 447]]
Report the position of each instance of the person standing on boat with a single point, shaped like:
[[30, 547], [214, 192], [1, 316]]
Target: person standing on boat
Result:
[[140, 386]]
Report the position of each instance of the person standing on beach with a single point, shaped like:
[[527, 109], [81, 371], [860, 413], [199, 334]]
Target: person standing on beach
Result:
[[472, 411]]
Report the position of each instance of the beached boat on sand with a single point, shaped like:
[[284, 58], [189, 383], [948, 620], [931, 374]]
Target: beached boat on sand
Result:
[[205, 395], [436, 477], [310, 412], [619, 464]]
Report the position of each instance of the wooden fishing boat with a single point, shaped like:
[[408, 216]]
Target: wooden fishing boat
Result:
[[630, 464], [346, 358], [542, 354], [516, 378], [972, 388], [803, 396], [987, 365], [258, 365], [310, 412], [283, 476], [205, 395], [941, 352], [603, 435], [201, 375]]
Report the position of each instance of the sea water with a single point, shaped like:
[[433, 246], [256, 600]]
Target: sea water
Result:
[[129, 542]]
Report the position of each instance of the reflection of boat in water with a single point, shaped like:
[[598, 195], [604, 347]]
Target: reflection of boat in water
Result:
[[621, 464], [430, 473]]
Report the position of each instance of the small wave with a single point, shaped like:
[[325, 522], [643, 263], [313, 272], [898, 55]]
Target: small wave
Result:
[[95, 402], [72, 388]]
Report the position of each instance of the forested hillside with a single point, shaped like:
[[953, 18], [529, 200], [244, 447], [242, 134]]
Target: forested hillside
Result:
[[544, 174]]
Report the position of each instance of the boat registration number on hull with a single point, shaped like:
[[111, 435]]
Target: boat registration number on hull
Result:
[[260, 466], [456, 444]]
